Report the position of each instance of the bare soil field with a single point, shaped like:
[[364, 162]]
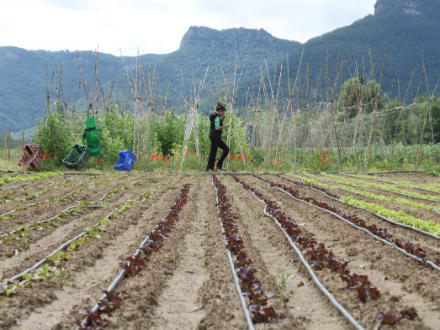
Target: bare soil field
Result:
[[216, 251]]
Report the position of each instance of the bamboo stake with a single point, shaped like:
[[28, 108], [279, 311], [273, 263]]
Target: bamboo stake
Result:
[[9, 145]]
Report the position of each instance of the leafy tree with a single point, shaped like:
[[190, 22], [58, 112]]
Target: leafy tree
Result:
[[355, 94]]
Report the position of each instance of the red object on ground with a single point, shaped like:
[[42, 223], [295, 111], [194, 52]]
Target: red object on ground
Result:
[[32, 156]]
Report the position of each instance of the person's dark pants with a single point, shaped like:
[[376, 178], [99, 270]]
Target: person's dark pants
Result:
[[216, 142]]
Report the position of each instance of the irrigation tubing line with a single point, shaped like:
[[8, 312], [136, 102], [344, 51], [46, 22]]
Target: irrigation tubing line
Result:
[[42, 202], [387, 180], [118, 279], [432, 264], [38, 222], [360, 194], [237, 281], [391, 191], [323, 289], [61, 247], [372, 212]]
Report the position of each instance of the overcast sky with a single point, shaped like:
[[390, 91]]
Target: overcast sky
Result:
[[157, 26]]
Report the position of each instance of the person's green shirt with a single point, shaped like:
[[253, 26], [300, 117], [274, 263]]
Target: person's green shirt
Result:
[[217, 122]]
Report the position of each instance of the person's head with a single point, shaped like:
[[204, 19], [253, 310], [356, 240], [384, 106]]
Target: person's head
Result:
[[220, 108]]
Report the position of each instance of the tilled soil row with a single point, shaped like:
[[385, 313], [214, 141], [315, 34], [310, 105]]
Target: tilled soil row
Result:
[[87, 271], [59, 186], [90, 191], [429, 244], [391, 186], [218, 295], [144, 289], [405, 286], [298, 303], [408, 209], [22, 256], [26, 186], [162, 297], [416, 177]]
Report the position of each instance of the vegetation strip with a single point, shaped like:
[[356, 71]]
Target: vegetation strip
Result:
[[419, 186], [383, 187], [5, 216], [245, 279], [318, 255], [97, 317], [378, 233], [400, 218], [398, 200], [78, 207], [30, 177], [11, 285]]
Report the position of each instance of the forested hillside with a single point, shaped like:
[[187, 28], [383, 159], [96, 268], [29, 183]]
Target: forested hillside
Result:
[[23, 74], [396, 47]]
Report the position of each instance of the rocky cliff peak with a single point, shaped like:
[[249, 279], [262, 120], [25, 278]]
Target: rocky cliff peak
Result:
[[407, 7]]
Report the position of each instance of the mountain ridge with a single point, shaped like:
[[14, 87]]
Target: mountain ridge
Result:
[[23, 87]]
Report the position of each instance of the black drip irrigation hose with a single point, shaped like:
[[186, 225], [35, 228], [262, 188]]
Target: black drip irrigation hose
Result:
[[390, 191], [318, 283], [119, 278], [38, 222], [372, 212], [5, 283], [432, 264], [388, 181], [247, 314]]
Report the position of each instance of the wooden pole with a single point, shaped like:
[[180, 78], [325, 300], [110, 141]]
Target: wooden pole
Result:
[[9, 145]]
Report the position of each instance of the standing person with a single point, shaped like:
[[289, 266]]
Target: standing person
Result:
[[215, 135]]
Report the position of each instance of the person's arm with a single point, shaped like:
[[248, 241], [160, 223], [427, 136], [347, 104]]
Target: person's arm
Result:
[[217, 123], [217, 126]]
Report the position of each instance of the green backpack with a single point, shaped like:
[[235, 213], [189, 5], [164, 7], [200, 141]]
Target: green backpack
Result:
[[91, 135]]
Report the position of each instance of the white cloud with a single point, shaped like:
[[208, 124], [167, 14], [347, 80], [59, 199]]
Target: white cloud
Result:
[[157, 26]]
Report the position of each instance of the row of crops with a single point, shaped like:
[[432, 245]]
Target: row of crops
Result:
[[219, 251]]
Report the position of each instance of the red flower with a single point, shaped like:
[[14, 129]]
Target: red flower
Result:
[[99, 161], [271, 162], [310, 165], [421, 152], [258, 169], [330, 161], [426, 158], [253, 161], [239, 157]]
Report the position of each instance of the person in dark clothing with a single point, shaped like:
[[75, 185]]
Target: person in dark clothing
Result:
[[215, 135]]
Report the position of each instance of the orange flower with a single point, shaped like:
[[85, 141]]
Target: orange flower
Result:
[[177, 164], [426, 158], [330, 161]]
